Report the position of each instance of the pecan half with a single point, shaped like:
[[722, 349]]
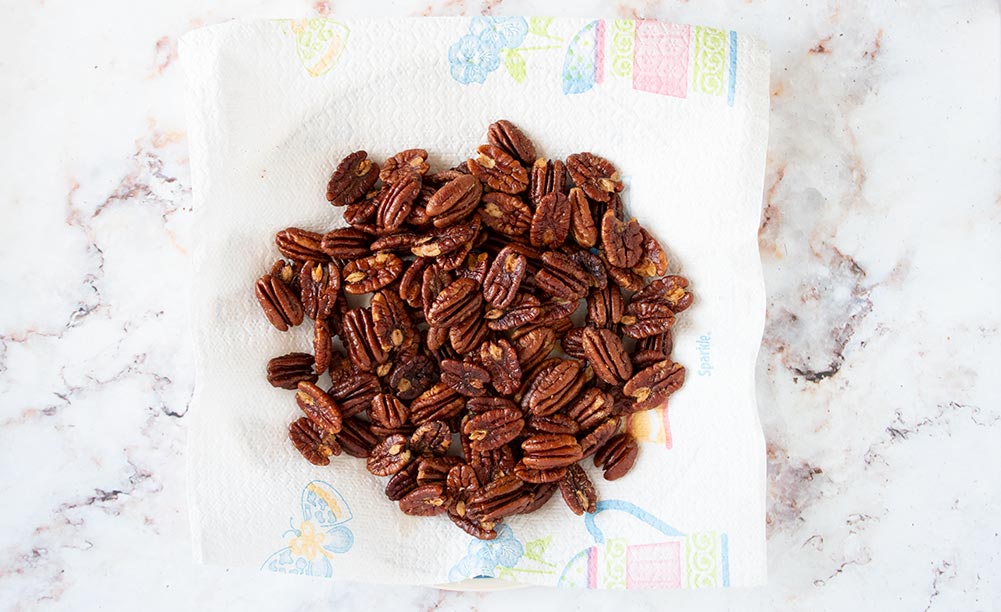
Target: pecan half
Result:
[[617, 456], [582, 226], [651, 386], [551, 221], [289, 370], [623, 241], [503, 279], [546, 177], [465, 377], [456, 302], [280, 304], [387, 411], [507, 136], [431, 437], [547, 451], [312, 442], [607, 356], [352, 179], [321, 409], [505, 213], [300, 245], [455, 200], [371, 273], [389, 456], [362, 342], [493, 428], [578, 491], [595, 175], [501, 360], [498, 170]]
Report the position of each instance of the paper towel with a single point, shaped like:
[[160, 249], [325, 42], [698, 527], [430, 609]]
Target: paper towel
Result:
[[680, 110]]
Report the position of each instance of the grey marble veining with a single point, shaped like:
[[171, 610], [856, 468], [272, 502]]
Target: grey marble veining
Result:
[[877, 379]]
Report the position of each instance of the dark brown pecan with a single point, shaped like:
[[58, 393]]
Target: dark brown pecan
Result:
[[363, 344], [505, 213], [321, 409], [503, 279], [396, 198], [498, 170], [492, 464], [617, 456], [582, 226], [431, 437], [597, 276], [555, 385], [541, 494], [551, 221], [673, 290], [591, 408], [400, 242], [402, 482], [538, 476], [312, 442], [404, 162], [389, 456], [356, 438], [455, 303], [645, 319], [353, 389], [468, 335], [654, 259], [572, 343], [435, 468], [443, 241], [500, 498], [546, 177], [651, 386], [460, 483], [625, 278], [607, 356], [645, 358], [534, 347], [371, 273], [393, 325], [601, 434], [437, 341], [501, 361], [387, 411], [280, 304], [547, 451], [346, 243], [660, 343], [426, 500], [523, 310], [483, 530], [319, 285], [439, 403], [465, 377], [433, 282], [561, 278], [410, 282], [605, 307], [595, 175], [289, 370], [623, 240], [479, 405], [454, 200], [553, 423], [493, 428], [512, 140], [361, 212], [323, 347], [352, 179], [412, 375], [300, 245], [475, 266], [578, 491]]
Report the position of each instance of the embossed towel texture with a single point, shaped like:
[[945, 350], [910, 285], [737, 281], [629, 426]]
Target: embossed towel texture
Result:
[[681, 110]]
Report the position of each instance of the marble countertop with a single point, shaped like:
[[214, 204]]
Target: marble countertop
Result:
[[878, 380]]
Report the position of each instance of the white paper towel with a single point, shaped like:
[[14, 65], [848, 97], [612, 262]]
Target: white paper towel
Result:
[[680, 110]]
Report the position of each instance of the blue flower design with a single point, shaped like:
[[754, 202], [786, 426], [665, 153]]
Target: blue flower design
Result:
[[472, 59], [483, 557], [500, 32]]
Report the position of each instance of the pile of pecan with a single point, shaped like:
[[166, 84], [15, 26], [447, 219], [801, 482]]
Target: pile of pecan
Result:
[[513, 306]]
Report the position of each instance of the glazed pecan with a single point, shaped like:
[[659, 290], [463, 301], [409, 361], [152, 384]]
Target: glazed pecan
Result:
[[503, 279], [561, 278], [554, 386], [280, 304], [607, 356], [673, 290], [616, 457], [387, 411], [396, 198], [439, 403], [312, 442], [578, 491], [645, 319], [352, 179], [356, 438], [493, 428], [389, 456], [371, 273], [353, 389], [601, 434], [651, 386], [426, 500], [582, 226], [431, 437], [443, 241], [498, 170], [591, 408], [595, 175], [468, 334], [547, 451], [455, 200], [412, 375], [289, 370], [501, 361], [319, 286], [323, 347], [393, 326], [321, 409], [500, 498], [465, 377], [362, 342], [404, 162], [301, 245], [456, 302], [346, 243], [505, 213], [551, 221], [511, 140], [546, 177]]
